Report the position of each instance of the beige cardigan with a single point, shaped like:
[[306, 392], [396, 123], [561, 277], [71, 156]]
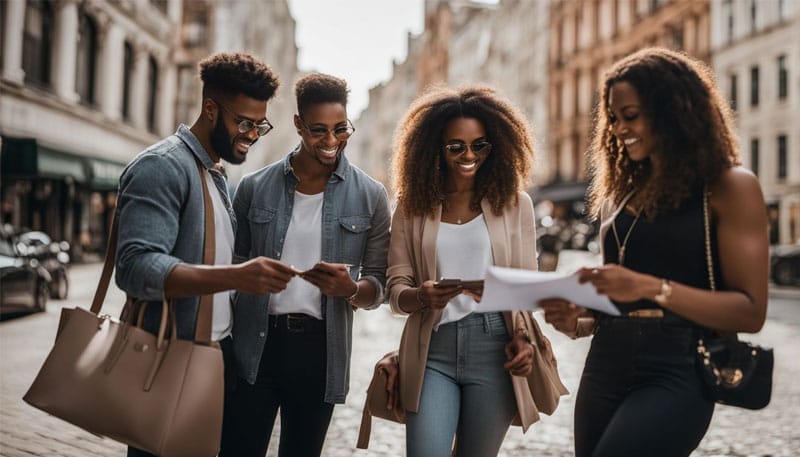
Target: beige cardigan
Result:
[[412, 261]]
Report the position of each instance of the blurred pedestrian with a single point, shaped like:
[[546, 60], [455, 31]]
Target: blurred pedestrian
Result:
[[461, 162], [327, 218], [663, 138], [160, 206]]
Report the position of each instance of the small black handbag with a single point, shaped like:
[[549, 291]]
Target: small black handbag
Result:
[[735, 372]]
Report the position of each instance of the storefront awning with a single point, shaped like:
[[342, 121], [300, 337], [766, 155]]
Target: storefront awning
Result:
[[25, 157]]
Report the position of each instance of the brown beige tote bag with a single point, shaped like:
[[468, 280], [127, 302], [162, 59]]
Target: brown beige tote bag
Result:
[[153, 392]]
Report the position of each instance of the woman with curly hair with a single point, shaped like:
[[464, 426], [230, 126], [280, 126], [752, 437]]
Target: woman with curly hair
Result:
[[676, 211], [462, 159]]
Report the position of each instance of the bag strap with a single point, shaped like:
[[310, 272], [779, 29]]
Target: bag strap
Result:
[[365, 430], [205, 310], [202, 330]]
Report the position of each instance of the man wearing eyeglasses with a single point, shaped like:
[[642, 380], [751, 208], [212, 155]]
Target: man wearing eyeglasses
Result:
[[330, 221], [160, 210]]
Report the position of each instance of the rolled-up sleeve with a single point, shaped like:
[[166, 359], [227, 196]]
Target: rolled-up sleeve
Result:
[[148, 217], [401, 268], [374, 263]]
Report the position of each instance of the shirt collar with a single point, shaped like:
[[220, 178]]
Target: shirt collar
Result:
[[189, 138]]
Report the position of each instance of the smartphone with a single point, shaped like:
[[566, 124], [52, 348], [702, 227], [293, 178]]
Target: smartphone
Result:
[[471, 284], [447, 282]]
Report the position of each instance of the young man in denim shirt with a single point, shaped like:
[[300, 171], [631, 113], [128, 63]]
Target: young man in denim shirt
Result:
[[161, 213], [327, 218]]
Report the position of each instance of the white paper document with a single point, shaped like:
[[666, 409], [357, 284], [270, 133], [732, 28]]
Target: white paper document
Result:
[[507, 289]]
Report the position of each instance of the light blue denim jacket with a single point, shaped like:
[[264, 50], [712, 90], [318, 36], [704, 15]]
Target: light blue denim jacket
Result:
[[160, 217], [355, 230]]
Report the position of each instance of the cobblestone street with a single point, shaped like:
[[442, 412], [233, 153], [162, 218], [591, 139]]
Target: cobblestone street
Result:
[[25, 431]]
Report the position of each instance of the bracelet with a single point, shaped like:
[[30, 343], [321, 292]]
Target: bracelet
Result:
[[351, 299], [666, 291]]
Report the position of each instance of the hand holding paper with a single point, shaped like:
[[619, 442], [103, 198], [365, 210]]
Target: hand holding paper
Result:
[[507, 289]]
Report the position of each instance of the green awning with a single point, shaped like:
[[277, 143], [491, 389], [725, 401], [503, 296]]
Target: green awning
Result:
[[24, 157]]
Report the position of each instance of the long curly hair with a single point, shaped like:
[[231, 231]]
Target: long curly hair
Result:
[[691, 123], [418, 165]]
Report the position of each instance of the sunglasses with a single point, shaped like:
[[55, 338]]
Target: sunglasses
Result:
[[341, 132], [245, 125], [480, 147]]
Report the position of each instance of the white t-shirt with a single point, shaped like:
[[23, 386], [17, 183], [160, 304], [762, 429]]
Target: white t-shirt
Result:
[[462, 252], [223, 254], [301, 249]]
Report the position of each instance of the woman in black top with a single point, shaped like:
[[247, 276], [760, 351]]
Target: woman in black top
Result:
[[663, 138]]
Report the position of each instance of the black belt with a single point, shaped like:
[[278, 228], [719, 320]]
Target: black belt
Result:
[[296, 323]]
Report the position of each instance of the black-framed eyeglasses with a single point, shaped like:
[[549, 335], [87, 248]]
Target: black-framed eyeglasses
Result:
[[480, 147], [341, 132], [245, 125]]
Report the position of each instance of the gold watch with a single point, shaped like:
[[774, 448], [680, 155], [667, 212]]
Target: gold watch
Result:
[[666, 291]]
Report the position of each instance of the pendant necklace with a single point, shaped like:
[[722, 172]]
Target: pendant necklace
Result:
[[621, 246]]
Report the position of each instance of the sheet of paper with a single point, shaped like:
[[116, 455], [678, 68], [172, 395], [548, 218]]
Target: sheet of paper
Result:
[[507, 289]]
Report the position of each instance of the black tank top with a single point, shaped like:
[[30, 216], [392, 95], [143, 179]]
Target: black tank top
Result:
[[671, 246]]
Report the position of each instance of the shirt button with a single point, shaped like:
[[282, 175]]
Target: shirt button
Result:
[[278, 253], [353, 227], [262, 334]]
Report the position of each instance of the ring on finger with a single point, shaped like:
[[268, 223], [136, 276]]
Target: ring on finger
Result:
[[595, 271]]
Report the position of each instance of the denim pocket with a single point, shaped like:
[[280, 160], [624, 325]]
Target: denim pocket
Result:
[[497, 327], [262, 222], [353, 235]]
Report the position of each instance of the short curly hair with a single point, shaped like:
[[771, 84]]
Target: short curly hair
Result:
[[233, 73], [315, 88], [691, 122], [418, 165]]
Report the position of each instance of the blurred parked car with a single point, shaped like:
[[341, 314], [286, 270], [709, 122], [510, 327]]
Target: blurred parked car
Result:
[[785, 266], [23, 281], [53, 256]]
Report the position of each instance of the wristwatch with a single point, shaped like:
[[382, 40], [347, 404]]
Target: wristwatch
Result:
[[666, 291]]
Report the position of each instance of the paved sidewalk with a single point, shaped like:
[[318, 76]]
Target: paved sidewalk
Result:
[[25, 431]]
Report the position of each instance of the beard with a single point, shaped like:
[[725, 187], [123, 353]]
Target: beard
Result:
[[223, 144]]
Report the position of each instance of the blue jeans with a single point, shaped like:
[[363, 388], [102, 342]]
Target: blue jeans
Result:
[[466, 392]]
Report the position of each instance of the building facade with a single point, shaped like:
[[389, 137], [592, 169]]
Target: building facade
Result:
[[84, 86], [756, 56]]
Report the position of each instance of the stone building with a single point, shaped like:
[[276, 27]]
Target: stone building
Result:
[[84, 86], [756, 56]]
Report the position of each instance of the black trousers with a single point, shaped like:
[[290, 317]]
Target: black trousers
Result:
[[226, 345], [291, 378], [639, 393]]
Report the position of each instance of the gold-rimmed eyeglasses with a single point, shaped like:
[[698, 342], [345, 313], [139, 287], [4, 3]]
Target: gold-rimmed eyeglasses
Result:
[[245, 125], [341, 132]]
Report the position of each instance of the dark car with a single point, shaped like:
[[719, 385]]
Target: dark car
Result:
[[23, 281], [53, 256], [785, 266]]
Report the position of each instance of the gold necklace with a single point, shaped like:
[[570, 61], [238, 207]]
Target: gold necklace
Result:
[[621, 246]]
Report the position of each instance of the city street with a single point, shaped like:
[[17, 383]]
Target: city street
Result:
[[25, 431]]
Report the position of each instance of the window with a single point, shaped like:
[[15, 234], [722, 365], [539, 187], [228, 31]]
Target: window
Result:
[[85, 63], [734, 80], [127, 74], [727, 9], [754, 155], [753, 86], [752, 16], [782, 156], [783, 78], [37, 42], [152, 80]]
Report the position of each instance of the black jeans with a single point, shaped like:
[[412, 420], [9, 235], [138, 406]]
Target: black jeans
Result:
[[226, 345], [640, 393], [291, 377]]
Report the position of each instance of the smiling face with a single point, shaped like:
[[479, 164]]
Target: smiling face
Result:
[[326, 148], [226, 140], [628, 121], [464, 131]]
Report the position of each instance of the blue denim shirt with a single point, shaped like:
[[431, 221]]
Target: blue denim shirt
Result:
[[160, 220], [355, 230]]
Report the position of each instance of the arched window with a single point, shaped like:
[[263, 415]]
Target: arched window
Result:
[[37, 42], [127, 75], [86, 58], [152, 84]]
